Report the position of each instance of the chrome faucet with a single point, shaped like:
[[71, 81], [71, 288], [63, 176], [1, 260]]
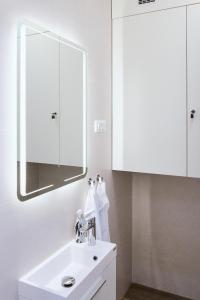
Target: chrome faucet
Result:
[[91, 231], [80, 227], [85, 229]]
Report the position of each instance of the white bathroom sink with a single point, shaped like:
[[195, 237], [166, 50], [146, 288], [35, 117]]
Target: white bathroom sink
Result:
[[82, 262]]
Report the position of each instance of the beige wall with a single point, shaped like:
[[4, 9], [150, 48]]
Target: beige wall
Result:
[[31, 231], [166, 233]]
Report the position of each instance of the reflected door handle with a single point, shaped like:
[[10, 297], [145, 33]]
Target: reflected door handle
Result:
[[192, 113], [53, 115]]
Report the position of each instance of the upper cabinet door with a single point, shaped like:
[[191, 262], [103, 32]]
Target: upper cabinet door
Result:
[[71, 106], [194, 90], [122, 8], [149, 92], [42, 94]]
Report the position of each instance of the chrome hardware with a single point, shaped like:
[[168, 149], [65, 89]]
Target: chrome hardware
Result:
[[192, 113], [68, 281], [86, 231], [91, 181], [91, 231], [53, 115], [81, 234], [81, 227], [99, 179], [103, 283]]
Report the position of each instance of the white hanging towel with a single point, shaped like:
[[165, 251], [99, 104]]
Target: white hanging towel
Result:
[[91, 210], [102, 203]]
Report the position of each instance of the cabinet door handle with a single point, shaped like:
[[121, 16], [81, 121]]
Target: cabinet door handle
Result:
[[192, 113], [98, 290], [53, 115]]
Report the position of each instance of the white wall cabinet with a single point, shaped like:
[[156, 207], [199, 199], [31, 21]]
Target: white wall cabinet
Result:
[[130, 7], [155, 87], [194, 90], [149, 92]]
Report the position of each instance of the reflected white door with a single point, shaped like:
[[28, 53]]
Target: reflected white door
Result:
[[42, 96], [194, 90], [149, 92], [71, 106]]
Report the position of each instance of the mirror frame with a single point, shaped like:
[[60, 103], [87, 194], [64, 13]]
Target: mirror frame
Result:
[[21, 112]]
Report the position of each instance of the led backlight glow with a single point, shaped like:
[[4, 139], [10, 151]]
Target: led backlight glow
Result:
[[25, 29]]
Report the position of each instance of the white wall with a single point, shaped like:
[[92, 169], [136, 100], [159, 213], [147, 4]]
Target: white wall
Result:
[[166, 227], [31, 231]]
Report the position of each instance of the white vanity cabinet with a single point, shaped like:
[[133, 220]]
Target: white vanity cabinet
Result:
[[107, 289], [155, 88]]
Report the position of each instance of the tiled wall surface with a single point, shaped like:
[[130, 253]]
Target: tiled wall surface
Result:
[[31, 231], [166, 226]]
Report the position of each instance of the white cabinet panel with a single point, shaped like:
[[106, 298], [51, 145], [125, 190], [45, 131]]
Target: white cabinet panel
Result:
[[42, 94], [122, 8], [194, 90], [108, 288], [71, 106], [149, 92]]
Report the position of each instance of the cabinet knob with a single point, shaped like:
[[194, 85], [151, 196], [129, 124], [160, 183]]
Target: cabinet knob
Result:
[[53, 115], [192, 113]]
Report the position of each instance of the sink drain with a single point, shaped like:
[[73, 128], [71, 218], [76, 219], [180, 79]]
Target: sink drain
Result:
[[68, 281]]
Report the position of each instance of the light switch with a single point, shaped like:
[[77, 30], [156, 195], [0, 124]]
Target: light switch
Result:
[[100, 126]]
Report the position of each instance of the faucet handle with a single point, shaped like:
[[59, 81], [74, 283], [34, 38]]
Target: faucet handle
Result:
[[92, 231], [81, 227], [92, 223]]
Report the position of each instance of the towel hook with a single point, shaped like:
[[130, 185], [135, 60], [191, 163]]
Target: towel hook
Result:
[[91, 181], [99, 178]]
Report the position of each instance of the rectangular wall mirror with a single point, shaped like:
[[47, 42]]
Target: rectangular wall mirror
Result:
[[51, 111]]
